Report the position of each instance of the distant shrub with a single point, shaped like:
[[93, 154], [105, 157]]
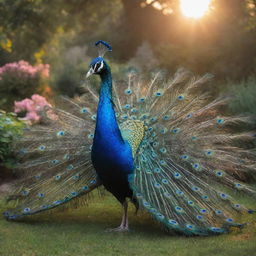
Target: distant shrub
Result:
[[245, 96], [10, 128], [19, 80], [68, 79], [69, 73], [144, 58]]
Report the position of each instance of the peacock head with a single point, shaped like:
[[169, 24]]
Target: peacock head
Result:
[[98, 65]]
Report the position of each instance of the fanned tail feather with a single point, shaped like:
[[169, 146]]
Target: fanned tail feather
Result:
[[54, 159], [189, 155]]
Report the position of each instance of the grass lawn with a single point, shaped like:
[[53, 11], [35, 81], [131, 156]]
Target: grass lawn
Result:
[[81, 232]]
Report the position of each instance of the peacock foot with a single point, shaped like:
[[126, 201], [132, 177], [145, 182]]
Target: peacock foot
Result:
[[118, 229], [124, 226]]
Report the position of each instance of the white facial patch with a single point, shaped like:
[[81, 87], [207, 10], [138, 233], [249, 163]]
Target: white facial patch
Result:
[[101, 66], [95, 69]]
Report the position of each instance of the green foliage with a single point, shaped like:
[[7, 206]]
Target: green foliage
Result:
[[10, 128], [245, 96], [44, 23]]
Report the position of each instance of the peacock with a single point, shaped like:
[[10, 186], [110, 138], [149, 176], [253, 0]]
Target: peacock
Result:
[[163, 145]]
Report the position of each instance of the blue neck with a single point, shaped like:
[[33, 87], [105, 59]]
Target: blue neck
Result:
[[106, 85], [111, 155], [106, 124]]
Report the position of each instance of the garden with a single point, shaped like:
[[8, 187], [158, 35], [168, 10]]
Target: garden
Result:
[[46, 49]]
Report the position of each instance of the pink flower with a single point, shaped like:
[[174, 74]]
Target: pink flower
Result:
[[23, 68], [32, 116], [29, 105], [40, 101], [32, 107], [24, 105]]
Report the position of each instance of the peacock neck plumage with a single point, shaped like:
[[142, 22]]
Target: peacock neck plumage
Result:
[[107, 129]]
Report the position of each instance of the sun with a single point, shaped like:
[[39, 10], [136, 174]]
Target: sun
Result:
[[194, 8]]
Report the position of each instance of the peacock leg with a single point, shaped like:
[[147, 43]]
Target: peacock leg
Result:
[[124, 224]]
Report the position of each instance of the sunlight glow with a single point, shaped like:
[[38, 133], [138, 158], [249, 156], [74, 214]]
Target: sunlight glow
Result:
[[194, 8]]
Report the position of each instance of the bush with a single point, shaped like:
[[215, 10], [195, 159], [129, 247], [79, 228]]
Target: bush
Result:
[[144, 58], [19, 80], [10, 128], [245, 96], [69, 79]]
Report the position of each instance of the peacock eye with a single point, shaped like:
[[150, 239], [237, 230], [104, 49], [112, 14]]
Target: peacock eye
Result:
[[98, 66]]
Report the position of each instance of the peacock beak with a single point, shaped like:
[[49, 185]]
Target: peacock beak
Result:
[[90, 72]]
